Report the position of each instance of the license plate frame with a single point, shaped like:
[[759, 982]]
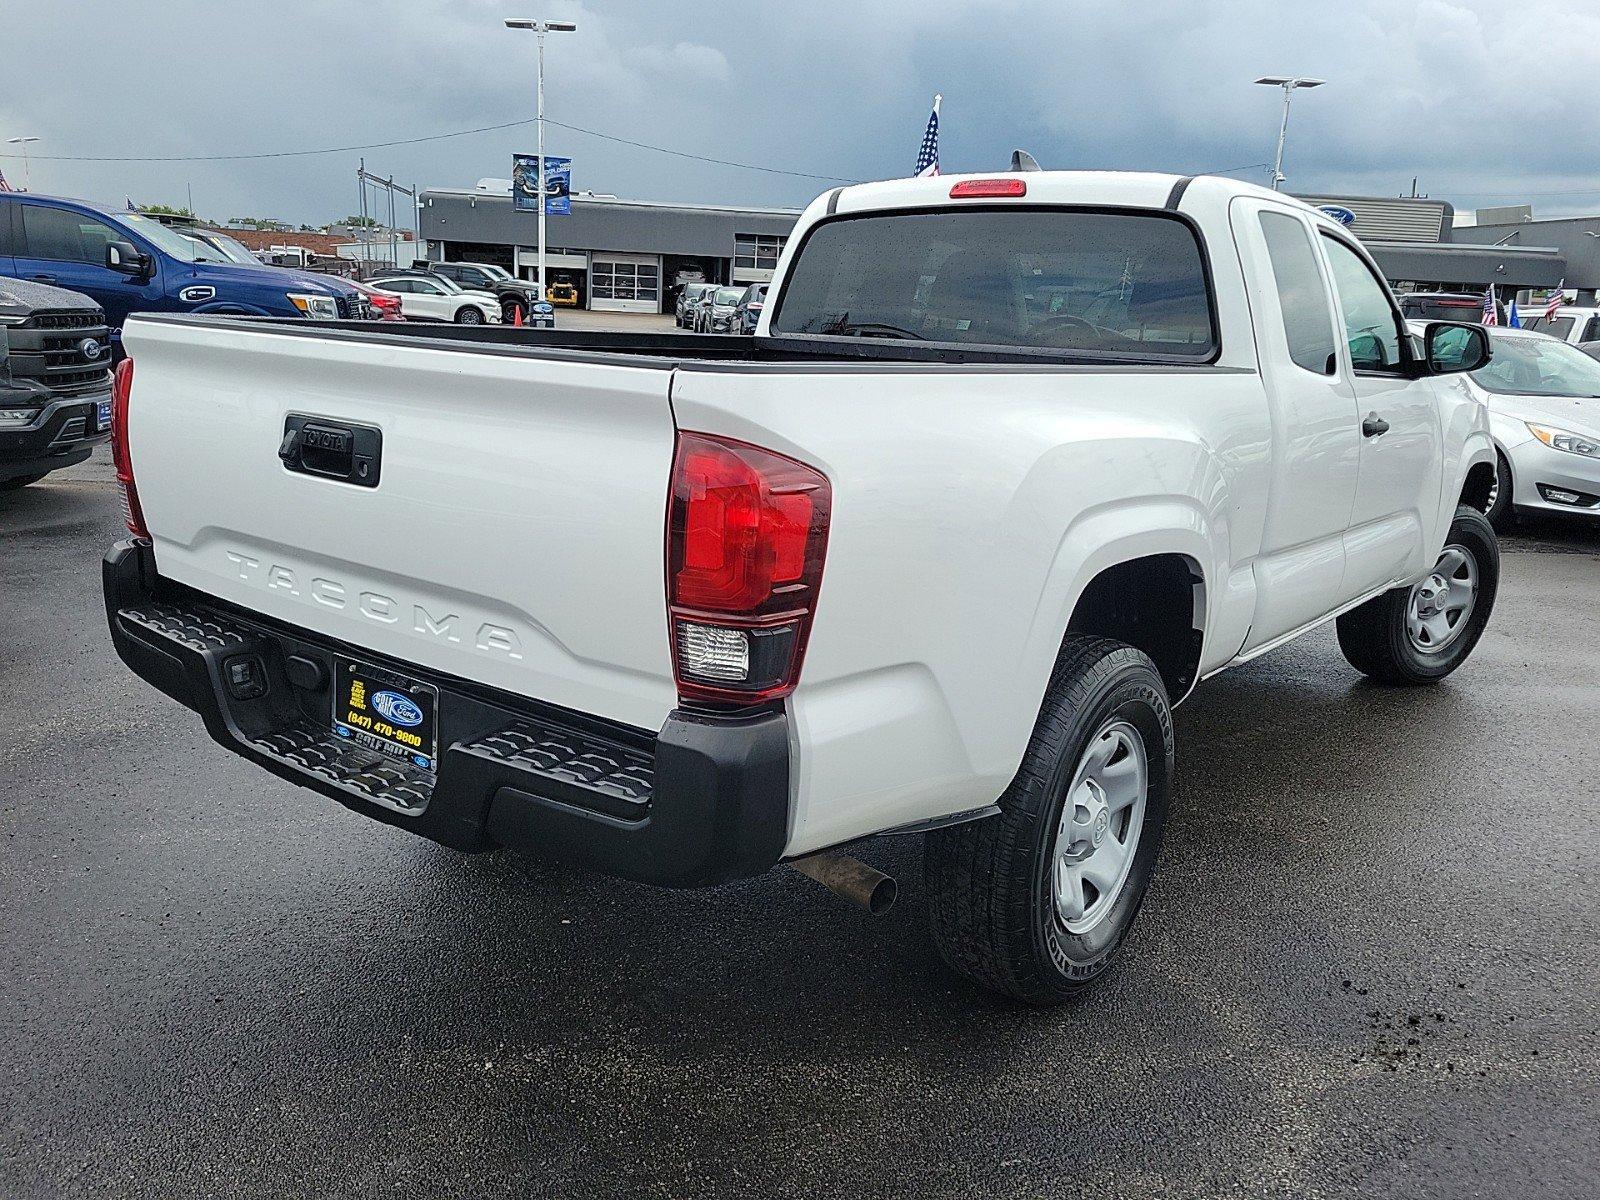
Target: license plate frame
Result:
[[386, 712], [102, 415]]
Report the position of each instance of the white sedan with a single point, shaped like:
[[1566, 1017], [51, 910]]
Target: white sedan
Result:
[[430, 298], [1544, 410]]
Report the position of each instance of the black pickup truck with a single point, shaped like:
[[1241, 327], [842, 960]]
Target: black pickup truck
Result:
[[55, 380]]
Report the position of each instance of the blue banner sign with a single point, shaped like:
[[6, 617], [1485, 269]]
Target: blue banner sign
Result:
[[557, 184]]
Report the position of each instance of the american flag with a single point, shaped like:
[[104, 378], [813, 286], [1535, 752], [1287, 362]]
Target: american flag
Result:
[[928, 156], [1557, 299], [1490, 316], [4, 186]]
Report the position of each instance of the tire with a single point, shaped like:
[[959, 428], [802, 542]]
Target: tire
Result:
[[993, 883], [1500, 512], [468, 316], [21, 481], [1388, 637]]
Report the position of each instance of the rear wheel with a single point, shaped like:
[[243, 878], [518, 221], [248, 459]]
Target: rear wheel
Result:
[[1419, 634], [1498, 506], [1035, 902], [469, 316]]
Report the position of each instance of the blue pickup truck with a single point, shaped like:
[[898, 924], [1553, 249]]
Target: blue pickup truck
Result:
[[130, 263]]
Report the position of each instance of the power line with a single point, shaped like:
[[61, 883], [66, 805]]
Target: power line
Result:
[[435, 137]]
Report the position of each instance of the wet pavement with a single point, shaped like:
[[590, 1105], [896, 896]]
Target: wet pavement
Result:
[[1368, 965]]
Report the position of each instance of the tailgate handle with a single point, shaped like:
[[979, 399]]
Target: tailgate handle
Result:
[[331, 449]]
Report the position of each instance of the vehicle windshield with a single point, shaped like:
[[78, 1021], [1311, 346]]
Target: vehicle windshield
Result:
[[449, 285], [727, 297], [219, 247], [1045, 279], [1538, 366], [494, 272], [163, 237]]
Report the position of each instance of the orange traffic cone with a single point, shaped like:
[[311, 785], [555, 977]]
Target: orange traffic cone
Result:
[[516, 314]]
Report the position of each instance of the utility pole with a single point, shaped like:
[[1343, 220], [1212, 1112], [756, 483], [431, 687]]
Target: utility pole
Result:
[[1288, 84], [541, 28]]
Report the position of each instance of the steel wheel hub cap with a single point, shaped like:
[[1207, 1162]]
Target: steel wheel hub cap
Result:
[[1101, 819], [1440, 605]]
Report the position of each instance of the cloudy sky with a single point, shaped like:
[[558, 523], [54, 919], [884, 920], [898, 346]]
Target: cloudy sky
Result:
[[1487, 102]]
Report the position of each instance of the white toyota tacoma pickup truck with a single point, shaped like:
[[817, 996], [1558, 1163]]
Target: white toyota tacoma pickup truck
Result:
[[1012, 463]]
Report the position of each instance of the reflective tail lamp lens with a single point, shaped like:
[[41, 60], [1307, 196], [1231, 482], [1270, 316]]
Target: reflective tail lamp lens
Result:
[[976, 189], [747, 530], [121, 460]]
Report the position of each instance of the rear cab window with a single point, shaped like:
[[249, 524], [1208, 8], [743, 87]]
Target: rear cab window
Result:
[[1095, 282]]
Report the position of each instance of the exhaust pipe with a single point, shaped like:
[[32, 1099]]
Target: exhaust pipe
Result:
[[851, 878]]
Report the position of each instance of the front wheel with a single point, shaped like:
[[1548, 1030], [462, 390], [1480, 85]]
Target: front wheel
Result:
[[1035, 902], [1419, 634], [469, 316], [1498, 506]]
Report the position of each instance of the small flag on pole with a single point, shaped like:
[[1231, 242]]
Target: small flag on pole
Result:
[[4, 186], [1556, 300], [1513, 321], [928, 156], [1490, 316]]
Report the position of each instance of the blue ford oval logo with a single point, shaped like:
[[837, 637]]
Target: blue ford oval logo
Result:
[[397, 708], [90, 348], [1340, 214]]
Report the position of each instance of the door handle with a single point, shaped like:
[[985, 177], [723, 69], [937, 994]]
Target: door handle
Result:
[[1374, 426], [42, 278]]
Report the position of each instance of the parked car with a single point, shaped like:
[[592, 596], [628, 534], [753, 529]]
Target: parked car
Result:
[[747, 313], [1447, 306], [55, 380], [432, 298], [562, 291], [385, 305], [714, 312], [1571, 323], [513, 293], [1055, 515], [688, 303], [126, 262], [1543, 398]]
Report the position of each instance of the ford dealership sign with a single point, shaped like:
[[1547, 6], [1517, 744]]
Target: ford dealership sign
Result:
[[1340, 214]]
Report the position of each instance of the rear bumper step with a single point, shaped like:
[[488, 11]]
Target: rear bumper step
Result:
[[704, 800]]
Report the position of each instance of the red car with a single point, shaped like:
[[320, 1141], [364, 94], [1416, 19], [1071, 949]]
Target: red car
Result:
[[384, 306]]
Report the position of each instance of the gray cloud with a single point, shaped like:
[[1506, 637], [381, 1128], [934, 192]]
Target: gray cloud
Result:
[[1485, 101]]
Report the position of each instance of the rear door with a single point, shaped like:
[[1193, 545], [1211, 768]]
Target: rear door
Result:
[[1397, 496], [516, 533], [1315, 455]]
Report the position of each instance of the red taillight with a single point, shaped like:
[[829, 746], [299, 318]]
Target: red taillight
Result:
[[746, 533], [970, 189], [121, 385]]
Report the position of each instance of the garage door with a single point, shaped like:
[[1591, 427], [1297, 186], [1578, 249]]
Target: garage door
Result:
[[625, 283]]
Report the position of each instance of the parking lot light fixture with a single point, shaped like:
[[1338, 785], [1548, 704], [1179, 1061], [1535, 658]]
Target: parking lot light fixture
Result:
[[541, 28], [27, 172], [1288, 83]]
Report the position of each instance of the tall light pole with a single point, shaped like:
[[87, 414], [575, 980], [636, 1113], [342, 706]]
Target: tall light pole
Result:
[[541, 28], [1288, 84], [27, 172]]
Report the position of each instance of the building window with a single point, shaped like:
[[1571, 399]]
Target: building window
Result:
[[610, 280], [757, 252]]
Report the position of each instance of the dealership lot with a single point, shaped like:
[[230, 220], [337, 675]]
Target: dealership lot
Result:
[[1366, 966]]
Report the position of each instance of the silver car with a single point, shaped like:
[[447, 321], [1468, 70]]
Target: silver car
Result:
[[1544, 410]]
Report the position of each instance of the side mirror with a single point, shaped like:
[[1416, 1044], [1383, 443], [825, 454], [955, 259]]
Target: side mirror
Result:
[[1450, 348], [123, 258]]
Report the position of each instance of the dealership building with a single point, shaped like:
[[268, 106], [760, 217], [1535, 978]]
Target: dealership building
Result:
[[635, 255], [622, 255]]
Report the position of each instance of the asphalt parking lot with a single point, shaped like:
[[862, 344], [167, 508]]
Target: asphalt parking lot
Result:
[[1368, 965]]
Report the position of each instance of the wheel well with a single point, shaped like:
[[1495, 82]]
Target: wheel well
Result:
[[1156, 604], [1480, 482]]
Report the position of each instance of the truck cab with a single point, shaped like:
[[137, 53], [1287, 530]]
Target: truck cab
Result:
[[127, 263]]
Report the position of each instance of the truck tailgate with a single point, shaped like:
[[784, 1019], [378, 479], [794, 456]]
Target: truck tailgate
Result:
[[515, 537]]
